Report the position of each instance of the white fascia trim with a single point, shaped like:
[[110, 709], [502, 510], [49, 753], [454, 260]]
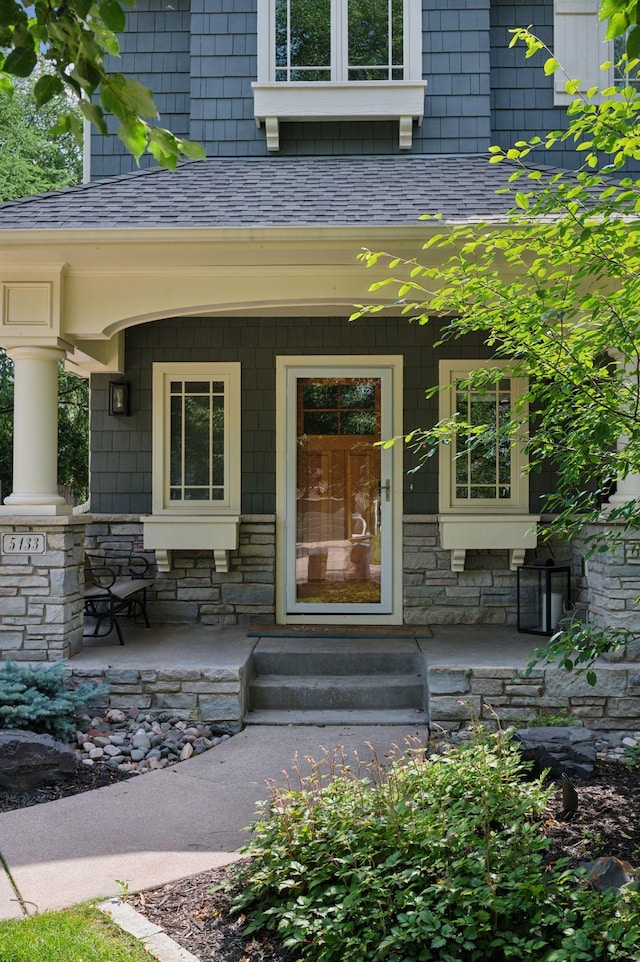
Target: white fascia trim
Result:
[[158, 236]]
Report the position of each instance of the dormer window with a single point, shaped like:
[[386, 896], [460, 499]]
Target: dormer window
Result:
[[339, 40], [339, 60]]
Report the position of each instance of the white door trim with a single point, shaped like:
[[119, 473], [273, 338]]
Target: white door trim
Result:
[[315, 364]]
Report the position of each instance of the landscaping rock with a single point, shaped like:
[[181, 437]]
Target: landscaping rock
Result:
[[142, 742], [570, 750], [28, 760], [608, 873]]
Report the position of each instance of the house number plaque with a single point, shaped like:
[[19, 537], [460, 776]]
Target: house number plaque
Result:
[[632, 553], [32, 543]]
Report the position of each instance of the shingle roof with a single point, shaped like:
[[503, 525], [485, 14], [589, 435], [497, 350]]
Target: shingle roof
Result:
[[275, 192]]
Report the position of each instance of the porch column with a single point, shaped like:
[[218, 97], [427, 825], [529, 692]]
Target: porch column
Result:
[[627, 488], [35, 432]]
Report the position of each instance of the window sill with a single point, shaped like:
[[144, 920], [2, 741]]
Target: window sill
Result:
[[463, 532], [217, 533], [401, 100]]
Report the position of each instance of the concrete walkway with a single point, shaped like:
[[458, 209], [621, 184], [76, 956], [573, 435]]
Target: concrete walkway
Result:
[[163, 825]]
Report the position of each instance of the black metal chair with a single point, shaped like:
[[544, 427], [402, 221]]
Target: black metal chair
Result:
[[113, 588]]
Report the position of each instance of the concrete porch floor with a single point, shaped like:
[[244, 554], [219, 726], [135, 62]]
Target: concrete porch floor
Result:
[[204, 646]]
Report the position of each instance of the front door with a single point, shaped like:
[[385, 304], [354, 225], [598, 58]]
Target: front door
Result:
[[339, 497]]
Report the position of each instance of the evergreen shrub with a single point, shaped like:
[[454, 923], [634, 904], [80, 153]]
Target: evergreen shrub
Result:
[[438, 858], [36, 698]]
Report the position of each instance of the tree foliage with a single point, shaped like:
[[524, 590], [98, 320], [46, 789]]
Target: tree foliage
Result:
[[74, 37], [31, 161], [557, 292]]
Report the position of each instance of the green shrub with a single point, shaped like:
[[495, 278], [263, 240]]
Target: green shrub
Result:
[[433, 859], [35, 697], [553, 719]]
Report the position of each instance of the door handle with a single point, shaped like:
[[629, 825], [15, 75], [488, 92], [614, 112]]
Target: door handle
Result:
[[386, 487]]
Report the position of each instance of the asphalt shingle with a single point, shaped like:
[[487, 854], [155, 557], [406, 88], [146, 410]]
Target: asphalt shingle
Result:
[[276, 192]]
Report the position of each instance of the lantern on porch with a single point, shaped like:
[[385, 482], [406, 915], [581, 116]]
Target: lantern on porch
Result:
[[544, 594]]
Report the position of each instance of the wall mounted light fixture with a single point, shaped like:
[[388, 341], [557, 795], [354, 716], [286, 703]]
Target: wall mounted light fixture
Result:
[[119, 398]]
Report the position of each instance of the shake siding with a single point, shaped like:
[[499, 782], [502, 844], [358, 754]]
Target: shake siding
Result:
[[121, 458]]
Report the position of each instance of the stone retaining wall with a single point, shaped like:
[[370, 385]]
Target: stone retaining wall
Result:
[[212, 695], [488, 694], [456, 695]]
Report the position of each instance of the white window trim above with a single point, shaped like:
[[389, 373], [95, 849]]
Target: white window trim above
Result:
[[483, 524], [212, 525], [401, 100]]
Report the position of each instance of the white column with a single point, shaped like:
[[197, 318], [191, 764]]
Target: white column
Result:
[[627, 488], [35, 432]]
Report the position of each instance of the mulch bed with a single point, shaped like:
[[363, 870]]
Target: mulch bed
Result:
[[195, 911], [85, 780], [199, 919]]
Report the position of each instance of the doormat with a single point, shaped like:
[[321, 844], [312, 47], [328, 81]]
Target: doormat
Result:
[[340, 631]]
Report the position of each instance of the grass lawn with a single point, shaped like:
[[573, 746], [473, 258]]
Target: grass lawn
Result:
[[78, 934]]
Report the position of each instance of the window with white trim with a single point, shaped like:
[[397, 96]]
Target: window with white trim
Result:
[[339, 59], [196, 438], [622, 76], [486, 475], [580, 47], [339, 40]]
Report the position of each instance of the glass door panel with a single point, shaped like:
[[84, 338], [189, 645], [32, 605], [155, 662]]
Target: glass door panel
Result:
[[338, 517]]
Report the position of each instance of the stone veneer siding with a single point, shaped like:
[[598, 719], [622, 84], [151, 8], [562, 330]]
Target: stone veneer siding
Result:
[[193, 591], [41, 605], [489, 694], [433, 594], [613, 582]]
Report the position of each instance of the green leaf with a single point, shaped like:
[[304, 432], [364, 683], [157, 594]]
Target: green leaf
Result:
[[550, 66], [138, 98], [618, 25], [633, 43], [11, 12], [21, 61], [47, 87], [94, 114], [192, 150], [113, 15], [522, 201], [134, 134], [82, 8]]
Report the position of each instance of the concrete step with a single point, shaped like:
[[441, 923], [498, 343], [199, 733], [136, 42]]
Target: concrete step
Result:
[[405, 717], [326, 692], [336, 656]]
